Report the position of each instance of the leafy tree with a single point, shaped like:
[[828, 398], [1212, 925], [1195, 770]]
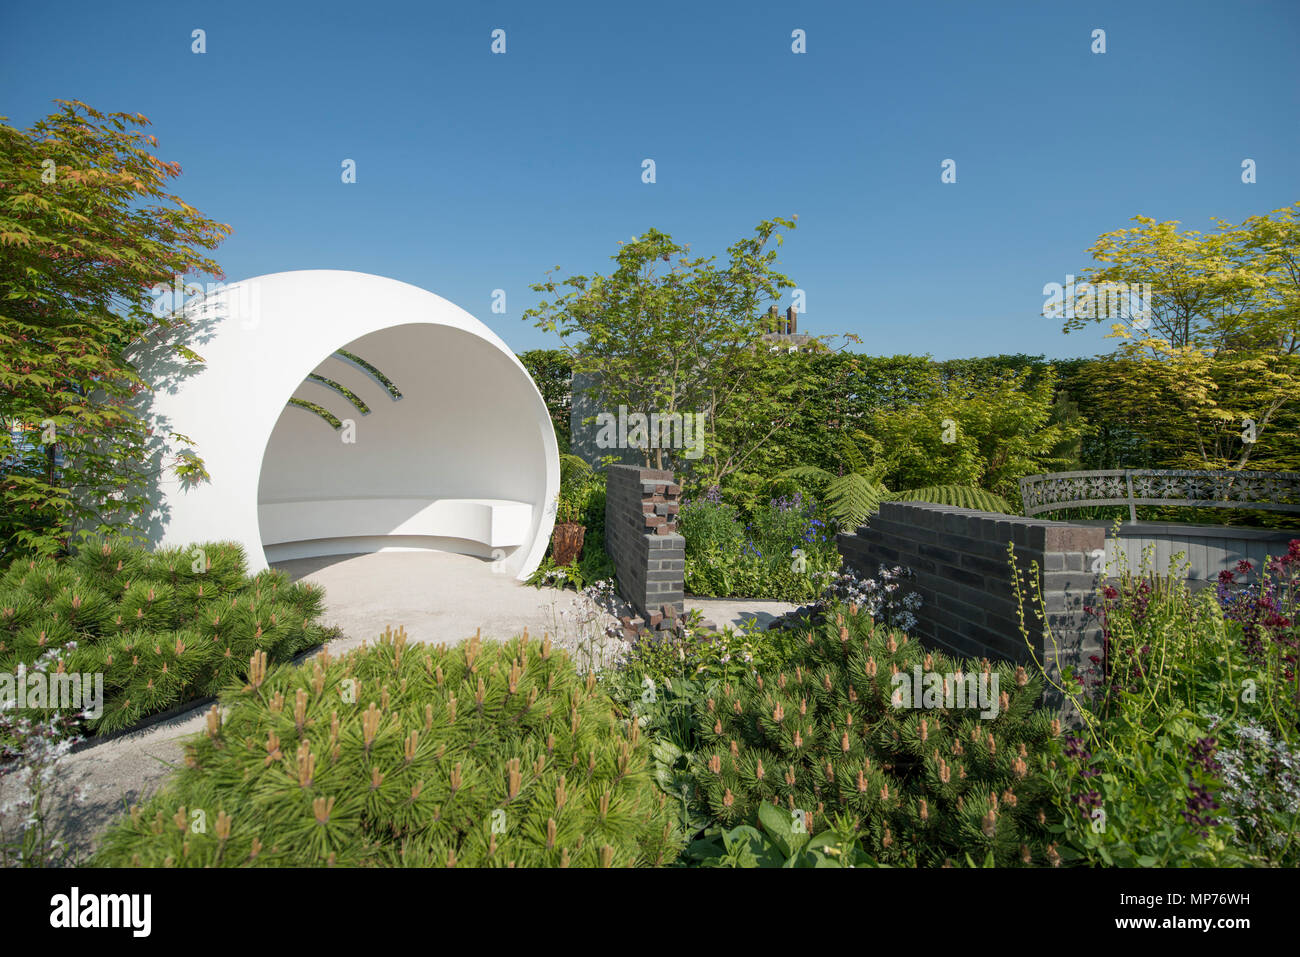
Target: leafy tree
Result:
[[1211, 379], [981, 432], [672, 340], [991, 366], [1107, 441], [880, 382], [87, 228], [1267, 264], [781, 409], [1196, 300], [1193, 411], [966, 440]]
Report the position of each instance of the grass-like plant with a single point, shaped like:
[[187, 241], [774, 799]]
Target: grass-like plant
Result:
[[330, 418], [373, 372], [342, 390]]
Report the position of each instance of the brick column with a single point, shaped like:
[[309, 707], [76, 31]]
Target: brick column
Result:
[[641, 538]]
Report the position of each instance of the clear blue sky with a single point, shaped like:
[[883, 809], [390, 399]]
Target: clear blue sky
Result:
[[477, 171]]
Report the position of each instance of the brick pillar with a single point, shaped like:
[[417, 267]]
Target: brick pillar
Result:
[[641, 538]]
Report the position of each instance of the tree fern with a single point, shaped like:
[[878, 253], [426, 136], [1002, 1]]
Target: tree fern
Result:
[[848, 499], [854, 460], [960, 496], [575, 487], [573, 470], [852, 498]]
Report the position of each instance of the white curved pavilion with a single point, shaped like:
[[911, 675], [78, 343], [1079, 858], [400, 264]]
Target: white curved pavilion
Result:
[[421, 429]]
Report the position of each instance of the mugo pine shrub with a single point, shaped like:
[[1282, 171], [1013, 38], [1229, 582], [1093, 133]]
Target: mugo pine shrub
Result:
[[484, 754], [162, 627], [823, 740]]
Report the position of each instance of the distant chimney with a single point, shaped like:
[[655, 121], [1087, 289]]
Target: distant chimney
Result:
[[790, 320]]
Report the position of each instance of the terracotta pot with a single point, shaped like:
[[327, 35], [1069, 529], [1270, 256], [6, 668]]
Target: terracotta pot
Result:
[[566, 543]]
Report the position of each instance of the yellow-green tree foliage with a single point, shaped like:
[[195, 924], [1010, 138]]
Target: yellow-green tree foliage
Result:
[[1212, 375]]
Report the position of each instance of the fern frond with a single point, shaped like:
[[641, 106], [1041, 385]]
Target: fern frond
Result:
[[851, 498], [959, 496], [573, 469], [852, 457]]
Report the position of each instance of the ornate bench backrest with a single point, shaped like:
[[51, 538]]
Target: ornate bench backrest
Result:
[[1271, 491]]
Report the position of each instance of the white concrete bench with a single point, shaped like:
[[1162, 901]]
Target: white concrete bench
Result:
[[495, 523]]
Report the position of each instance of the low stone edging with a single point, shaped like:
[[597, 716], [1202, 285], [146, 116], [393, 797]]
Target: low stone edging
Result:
[[185, 707]]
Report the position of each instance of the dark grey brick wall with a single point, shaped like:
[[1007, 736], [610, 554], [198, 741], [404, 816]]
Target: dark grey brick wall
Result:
[[641, 538], [964, 576]]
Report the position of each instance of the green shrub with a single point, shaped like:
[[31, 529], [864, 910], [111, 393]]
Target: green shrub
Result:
[[785, 553], [822, 737], [665, 677], [708, 525], [162, 628], [484, 754], [777, 842]]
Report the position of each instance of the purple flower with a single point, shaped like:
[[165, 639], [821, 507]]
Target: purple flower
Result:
[[1199, 802], [1074, 749], [1087, 800], [1203, 751]]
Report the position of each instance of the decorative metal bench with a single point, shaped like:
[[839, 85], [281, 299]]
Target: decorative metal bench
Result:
[[1271, 491]]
